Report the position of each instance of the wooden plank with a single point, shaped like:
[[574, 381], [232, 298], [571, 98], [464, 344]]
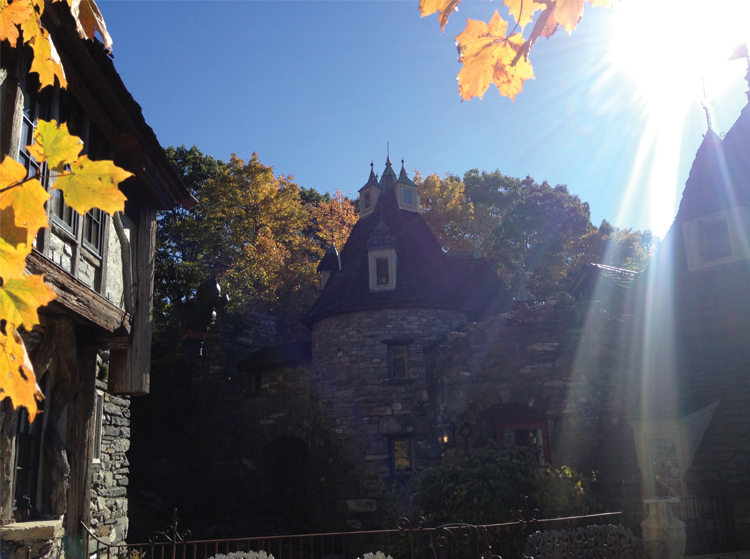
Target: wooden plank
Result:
[[77, 297], [8, 417], [80, 447], [129, 371]]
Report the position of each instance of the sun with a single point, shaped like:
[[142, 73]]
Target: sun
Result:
[[672, 47], [675, 53]]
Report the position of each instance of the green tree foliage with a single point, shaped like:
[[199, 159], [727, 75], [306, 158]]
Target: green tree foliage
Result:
[[535, 234], [260, 235], [490, 486]]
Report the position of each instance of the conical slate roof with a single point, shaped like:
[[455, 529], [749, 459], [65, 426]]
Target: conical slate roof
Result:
[[425, 276]]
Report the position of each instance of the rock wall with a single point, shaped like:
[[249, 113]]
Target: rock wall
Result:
[[110, 473], [570, 363], [363, 410]]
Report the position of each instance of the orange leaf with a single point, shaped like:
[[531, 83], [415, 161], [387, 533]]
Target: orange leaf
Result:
[[93, 184], [523, 10], [46, 61], [12, 15], [17, 380], [55, 145], [89, 20], [20, 298], [445, 7], [488, 57], [28, 203]]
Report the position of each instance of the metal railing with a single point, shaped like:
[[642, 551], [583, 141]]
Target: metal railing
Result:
[[410, 540]]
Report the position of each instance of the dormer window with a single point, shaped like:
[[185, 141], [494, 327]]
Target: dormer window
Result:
[[367, 200], [714, 240], [382, 264], [718, 238], [407, 198]]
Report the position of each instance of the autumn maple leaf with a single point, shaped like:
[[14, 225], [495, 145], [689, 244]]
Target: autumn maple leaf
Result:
[[19, 383], [20, 298], [93, 184], [46, 61], [488, 57], [523, 10], [445, 7], [12, 15], [55, 145]]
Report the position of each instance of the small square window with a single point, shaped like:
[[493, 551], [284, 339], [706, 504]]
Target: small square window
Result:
[[714, 240], [407, 197], [402, 456], [398, 361], [381, 271], [367, 200]]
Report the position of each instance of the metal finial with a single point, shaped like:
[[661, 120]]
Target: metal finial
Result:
[[706, 105]]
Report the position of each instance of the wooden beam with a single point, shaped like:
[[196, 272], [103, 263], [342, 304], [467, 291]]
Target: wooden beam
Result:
[[8, 418], [77, 297], [129, 371], [80, 446]]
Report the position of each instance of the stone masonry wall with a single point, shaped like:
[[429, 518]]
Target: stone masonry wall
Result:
[[110, 475], [571, 363], [361, 408]]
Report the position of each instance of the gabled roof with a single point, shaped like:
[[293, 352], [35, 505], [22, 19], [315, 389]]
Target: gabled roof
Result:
[[719, 177], [425, 276]]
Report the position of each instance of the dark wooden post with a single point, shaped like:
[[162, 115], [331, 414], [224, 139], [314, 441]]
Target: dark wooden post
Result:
[[8, 417], [80, 446], [129, 371]]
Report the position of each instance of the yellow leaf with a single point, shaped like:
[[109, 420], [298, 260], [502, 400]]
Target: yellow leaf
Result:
[[12, 15], [46, 61], [17, 380], [445, 7], [9, 231], [13, 259], [11, 172], [89, 20], [488, 57], [31, 27], [20, 298], [567, 14], [523, 10], [93, 184], [55, 145], [28, 203]]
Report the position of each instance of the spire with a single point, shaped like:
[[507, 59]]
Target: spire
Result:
[[402, 177], [389, 176], [706, 104], [372, 180]]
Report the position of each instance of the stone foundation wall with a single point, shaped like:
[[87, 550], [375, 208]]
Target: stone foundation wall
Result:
[[110, 474], [41, 539]]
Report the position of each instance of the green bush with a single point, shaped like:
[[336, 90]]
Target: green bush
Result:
[[490, 486]]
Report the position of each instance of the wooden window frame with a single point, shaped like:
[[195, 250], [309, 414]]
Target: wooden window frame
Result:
[[392, 442]]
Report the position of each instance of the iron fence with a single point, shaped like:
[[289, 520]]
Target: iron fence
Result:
[[411, 540], [710, 523]]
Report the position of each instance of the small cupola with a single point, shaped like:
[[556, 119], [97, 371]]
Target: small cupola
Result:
[[381, 258], [330, 263], [368, 194], [407, 192]]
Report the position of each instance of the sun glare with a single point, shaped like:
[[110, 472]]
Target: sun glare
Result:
[[676, 52]]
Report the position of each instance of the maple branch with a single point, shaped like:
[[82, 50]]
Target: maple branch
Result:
[[535, 33]]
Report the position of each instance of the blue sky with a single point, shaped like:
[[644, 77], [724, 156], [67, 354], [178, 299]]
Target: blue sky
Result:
[[317, 88]]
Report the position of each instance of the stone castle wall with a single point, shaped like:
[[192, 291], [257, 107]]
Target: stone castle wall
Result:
[[361, 408]]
